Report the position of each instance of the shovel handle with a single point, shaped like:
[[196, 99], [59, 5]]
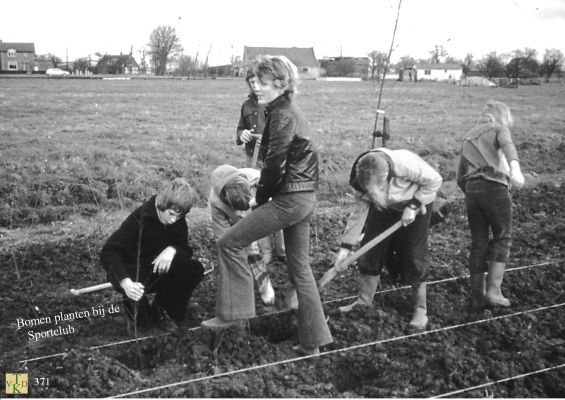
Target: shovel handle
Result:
[[328, 276], [332, 272], [208, 267], [94, 288], [370, 244], [256, 152]]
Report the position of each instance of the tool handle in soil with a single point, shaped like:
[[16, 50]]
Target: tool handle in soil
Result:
[[328, 276], [371, 243], [332, 272], [256, 153], [208, 267], [93, 288]]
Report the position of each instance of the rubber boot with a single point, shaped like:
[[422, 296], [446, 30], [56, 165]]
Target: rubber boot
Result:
[[495, 276], [478, 291], [367, 286], [419, 319]]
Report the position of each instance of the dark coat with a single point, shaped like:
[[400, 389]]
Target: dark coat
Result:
[[291, 163], [120, 252], [252, 118]]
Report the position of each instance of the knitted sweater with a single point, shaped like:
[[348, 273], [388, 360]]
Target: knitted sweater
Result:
[[486, 151]]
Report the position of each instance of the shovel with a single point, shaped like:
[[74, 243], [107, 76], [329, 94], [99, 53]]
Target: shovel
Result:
[[332, 272], [256, 150], [209, 267]]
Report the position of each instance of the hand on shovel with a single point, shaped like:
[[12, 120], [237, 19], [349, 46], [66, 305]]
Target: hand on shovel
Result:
[[338, 268], [348, 259]]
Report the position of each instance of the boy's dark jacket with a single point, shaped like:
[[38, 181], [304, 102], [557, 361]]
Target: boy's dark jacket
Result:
[[120, 252]]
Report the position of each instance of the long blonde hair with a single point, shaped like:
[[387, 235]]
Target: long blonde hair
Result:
[[497, 112]]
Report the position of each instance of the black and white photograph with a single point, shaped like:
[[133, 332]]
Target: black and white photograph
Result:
[[294, 199]]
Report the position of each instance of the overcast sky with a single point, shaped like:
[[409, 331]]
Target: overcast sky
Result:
[[80, 28]]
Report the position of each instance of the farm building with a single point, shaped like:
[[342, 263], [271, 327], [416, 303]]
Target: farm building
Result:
[[353, 67], [304, 58], [431, 72], [17, 57], [117, 64]]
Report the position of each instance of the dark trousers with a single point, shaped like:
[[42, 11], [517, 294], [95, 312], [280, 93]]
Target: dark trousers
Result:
[[489, 207], [173, 289], [409, 243]]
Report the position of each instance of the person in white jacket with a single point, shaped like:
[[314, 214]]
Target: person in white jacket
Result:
[[391, 185], [232, 189]]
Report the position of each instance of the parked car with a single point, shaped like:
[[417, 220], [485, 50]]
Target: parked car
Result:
[[56, 72]]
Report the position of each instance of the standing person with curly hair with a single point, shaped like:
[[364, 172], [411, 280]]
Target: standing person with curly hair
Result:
[[484, 175], [285, 199], [249, 133]]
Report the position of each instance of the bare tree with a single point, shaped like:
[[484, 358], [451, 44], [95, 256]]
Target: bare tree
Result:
[[466, 64], [491, 65], [378, 62], [436, 53], [205, 66], [236, 65], [523, 64], [185, 65], [163, 44], [552, 61], [81, 65], [55, 60], [451, 60], [405, 62]]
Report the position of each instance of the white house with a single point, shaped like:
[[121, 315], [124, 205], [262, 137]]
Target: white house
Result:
[[432, 72]]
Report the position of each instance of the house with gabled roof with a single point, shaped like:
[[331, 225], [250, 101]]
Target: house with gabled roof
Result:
[[17, 57], [303, 57], [432, 72]]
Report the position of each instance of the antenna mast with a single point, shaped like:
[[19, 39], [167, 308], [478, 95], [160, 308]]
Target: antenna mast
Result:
[[385, 135]]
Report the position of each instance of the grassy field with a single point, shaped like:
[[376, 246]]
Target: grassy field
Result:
[[81, 146]]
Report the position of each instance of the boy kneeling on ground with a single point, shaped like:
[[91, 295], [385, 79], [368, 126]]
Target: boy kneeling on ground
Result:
[[149, 253]]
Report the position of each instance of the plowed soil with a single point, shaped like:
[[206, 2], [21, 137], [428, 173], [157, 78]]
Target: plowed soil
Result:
[[373, 355]]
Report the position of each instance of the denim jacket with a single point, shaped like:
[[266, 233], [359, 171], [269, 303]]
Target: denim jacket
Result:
[[251, 118]]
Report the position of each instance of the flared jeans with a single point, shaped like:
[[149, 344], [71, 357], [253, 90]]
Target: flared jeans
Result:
[[290, 212]]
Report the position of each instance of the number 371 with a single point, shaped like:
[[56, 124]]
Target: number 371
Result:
[[42, 381]]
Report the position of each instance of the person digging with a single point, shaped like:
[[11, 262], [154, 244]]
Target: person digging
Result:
[[391, 186], [231, 191]]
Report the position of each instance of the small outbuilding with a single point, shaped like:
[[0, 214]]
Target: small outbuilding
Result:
[[303, 57], [431, 72]]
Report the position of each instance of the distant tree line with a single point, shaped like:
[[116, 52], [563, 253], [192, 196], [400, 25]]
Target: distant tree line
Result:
[[166, 56], [518, 64]]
